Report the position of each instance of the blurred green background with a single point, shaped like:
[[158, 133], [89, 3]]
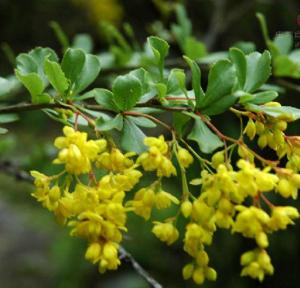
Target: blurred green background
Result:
[[37, 252]]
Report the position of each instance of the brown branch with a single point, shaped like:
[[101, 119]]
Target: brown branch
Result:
[[138, 268], [23, 107], [12, 170]]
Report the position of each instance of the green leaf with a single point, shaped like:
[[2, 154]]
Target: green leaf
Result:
[[196, 81], [33, 62], [160, 49], [194, 49], [3, 130], [183, 29], [142, 122], [8, 118], [221, 80], [245, 47], [263, 97], [56, 76], [258, 70], [127, 91], [285, 67], [88, 74], [83, 41], [72, 63], [132, 138], [205, 138], [284, 42], [102, 96], [148, 91], [35, 85], [282, 112], [148, 110], [176, 82], [106, 125], [161, 90], [5, 86], [238, 58], [179, 121]]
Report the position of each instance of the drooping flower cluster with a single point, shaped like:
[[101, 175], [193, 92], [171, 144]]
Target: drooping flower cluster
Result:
[[97, 210], [96, 207]]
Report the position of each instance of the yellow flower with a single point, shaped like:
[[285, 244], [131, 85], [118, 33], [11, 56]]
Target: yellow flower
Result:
[[115, 160], [163, 200], [184, 157], [165, 232], [282, 216], [76, 152], [257, 263], [143, 202], [156, 158], [252, 222]]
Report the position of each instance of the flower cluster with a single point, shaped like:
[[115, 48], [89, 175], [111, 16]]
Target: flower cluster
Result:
[[91, 196]]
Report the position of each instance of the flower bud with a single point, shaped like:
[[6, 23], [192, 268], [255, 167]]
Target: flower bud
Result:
[[250, 129], [186, 208], [184, 157], [187, 271], [217, 159], [198, 276], [211, 274]]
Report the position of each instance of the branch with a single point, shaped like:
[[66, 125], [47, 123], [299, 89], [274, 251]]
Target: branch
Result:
[[138, 268], [23, 107], [12, 170]]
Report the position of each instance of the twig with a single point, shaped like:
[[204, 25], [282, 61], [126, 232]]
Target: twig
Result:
[[138, 268], [10, 169], [288, 85], [23, 107]]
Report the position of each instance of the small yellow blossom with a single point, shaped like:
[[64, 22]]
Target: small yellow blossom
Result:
[[165, 232]]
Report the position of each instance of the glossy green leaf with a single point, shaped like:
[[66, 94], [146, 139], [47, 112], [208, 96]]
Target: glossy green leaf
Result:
[[221, 80], [33, 62], [196, 81], [103, 124], [238, 58], [35, 85], [281, 112], [142, 122], [127, 91], [258, 70], [132, 138], [263, 97], [102, 96], [56, 76], [160, 49], [207, 141], [72, 63], [88, 74]]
